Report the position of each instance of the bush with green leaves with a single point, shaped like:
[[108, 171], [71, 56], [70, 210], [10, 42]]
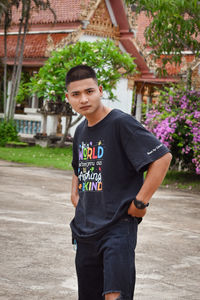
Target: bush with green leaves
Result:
[[175, 120], [8, 133], [103, 55]]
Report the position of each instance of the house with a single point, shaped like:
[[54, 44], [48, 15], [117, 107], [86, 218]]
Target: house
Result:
[[83, 20]]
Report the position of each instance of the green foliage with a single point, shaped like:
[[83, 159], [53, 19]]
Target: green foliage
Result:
[[104, 56], [174, 27], [23, 92], [8, 132]]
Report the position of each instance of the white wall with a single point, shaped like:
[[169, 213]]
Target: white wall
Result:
[[124, 97]]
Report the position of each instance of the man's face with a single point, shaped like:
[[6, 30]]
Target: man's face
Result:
[[84, 96]]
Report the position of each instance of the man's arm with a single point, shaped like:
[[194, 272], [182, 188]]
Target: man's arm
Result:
[[74, 190], [155, 175]]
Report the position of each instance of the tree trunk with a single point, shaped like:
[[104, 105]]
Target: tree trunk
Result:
[[69, 124], [189, 79], [76, 121], [5, 68]]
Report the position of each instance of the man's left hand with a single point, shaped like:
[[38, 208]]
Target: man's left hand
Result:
[[135, 212]]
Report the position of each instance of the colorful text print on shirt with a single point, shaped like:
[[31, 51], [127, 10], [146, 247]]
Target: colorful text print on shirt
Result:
[[90, 166]]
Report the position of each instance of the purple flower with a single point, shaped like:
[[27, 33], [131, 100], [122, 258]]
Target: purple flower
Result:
[[176, 121]]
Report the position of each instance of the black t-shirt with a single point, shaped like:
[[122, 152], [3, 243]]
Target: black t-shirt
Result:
[[109, 159]]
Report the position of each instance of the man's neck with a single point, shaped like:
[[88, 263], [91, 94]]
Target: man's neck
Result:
[[98, 116]]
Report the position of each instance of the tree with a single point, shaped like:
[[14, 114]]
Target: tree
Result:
[[6, 9], [174, 27], [103, 55]]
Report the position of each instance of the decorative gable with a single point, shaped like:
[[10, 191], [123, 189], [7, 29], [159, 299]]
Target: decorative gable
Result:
[[97, 21], [101, 24]]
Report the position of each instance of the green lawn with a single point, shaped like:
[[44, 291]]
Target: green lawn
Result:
[[61, 158], [182, 180]]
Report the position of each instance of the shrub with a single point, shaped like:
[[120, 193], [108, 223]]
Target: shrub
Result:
[[175, 120], [8, 133]]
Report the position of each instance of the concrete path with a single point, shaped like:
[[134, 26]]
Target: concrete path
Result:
[[37, 258]]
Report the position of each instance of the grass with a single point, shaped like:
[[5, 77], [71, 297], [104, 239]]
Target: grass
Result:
[[61, 158], [16, 144], [182, 180]]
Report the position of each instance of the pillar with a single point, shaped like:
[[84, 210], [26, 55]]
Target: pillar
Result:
[[138, 113], [34, 103], [8, 97]]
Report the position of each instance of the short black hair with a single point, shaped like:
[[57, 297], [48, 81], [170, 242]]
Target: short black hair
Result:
[[80, 72]]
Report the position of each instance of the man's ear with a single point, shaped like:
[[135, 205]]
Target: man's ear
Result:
[[101, 90], [67, 96]]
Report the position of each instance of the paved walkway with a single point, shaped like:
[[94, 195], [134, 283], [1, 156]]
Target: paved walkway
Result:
[[37, 258]]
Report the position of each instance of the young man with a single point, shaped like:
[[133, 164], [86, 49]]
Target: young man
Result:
[[111, 151]]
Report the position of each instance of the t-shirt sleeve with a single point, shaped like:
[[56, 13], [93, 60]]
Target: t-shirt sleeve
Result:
[[141, 146]]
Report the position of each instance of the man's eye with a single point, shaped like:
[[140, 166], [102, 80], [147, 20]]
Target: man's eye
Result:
[[75, 94], [90, 92]]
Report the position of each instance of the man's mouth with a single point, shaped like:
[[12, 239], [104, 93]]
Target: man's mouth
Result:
[[85, 107]]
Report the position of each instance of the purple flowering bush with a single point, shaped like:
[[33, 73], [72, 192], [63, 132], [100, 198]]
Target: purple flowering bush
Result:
[[175, 120]]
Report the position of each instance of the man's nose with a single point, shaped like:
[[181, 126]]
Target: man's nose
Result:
[[83, 98]]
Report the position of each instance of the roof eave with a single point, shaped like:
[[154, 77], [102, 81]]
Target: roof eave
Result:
[[126, 36]]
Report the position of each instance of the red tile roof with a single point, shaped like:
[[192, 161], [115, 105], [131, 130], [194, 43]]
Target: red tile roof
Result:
[[66, 11], [35, 45]]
